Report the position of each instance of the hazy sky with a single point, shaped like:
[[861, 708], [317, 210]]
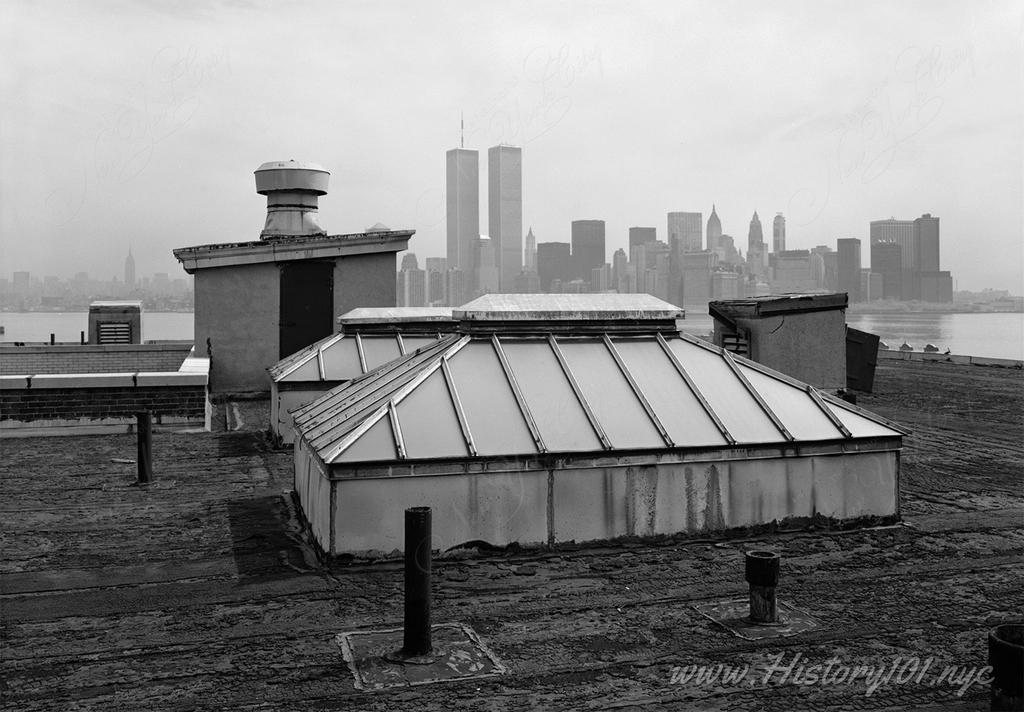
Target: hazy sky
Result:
[[141, 122]]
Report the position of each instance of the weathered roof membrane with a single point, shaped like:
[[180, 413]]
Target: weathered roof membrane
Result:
[[499, 395]]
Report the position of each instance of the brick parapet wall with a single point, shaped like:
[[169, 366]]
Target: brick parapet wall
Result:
[[76, 404], [91, 358]]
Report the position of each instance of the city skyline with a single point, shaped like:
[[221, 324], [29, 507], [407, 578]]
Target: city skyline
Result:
[[145, 140]]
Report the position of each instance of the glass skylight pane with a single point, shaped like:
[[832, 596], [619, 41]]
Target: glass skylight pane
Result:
[[341, 360], [490, 406], [793, 406], [378, 350], [611, 399], [726, 395], [559, 416], [377, 443], [430, 427], [309, 371], [682, 415], [859, 426]]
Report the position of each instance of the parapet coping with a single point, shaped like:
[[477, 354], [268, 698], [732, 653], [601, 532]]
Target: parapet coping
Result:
[[194, 371]]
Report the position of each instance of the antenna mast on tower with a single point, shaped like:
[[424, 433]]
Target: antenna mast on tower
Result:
[[462, 130]]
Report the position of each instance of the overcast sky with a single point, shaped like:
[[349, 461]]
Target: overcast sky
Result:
[[141, 122]]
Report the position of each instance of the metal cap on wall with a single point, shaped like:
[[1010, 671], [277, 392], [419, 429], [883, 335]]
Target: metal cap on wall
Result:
[[292, 189]]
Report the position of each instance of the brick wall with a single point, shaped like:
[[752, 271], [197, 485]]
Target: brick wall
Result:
[[73, 404], [91, 358]]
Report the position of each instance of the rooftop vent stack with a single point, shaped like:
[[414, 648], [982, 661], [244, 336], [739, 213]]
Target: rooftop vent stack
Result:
[[292, 189]]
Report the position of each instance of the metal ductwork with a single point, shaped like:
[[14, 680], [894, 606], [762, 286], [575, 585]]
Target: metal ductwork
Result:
[[292, 189]]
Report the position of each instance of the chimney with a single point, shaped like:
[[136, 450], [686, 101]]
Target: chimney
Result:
[[292, 191]]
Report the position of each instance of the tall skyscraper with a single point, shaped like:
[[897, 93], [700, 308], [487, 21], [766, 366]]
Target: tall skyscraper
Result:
[[552, 263], [756, 249], [887, 260], [900, 232], [848, 268], [463, 213], [587, 248], [685, 232], [505, 211], [755, 237], [926, 243], [487, 270], [778, 234], [714, 230], [640, 236], [129, 269], [530, 256]]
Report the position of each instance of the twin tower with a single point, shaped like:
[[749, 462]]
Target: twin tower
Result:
[[490, 263]]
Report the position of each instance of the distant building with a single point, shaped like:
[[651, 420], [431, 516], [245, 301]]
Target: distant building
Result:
[[409, 261], [462, 199], [714, 231], [640, 236], [21, 281], [792, 272], [696, 278], [887, 260], [505, 211], [926, 243], [900, 232], [685, 232], [129, 270], [756, 252], [411, 287], [488, 279], [552, 263], [848, 268], [527, 283], [620, 267], [588, 250], [530, 255], [456, 288], [779, 234]]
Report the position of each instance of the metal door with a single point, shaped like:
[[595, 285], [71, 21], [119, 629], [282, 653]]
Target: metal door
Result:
[[307, 304]]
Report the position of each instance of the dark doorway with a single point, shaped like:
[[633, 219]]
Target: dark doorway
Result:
[[307, 304]]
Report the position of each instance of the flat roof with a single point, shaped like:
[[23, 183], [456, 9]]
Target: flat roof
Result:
[[290, 248], [567, 307], [383, 315], [770, 304]]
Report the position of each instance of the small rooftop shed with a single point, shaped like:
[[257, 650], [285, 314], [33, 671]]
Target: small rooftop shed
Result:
[[803, 335], [370, 337], [557, 418]]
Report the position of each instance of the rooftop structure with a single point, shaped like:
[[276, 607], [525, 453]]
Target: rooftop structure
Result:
[[803, 335], [532, 412], [370, 338], [262, 300]]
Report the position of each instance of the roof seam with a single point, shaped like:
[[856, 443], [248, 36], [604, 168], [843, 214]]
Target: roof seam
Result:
[[813, 393], [727, 357], [591, 416], [453, 392], [637, 391], [696, 391], [524, 408]]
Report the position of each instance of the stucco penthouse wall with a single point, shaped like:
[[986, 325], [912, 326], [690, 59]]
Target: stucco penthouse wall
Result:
[[545, 506], [810, 347], [364, 281], [237, 309]]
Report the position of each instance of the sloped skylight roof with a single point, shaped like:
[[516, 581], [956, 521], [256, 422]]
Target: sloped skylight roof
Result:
[[493, 395], [342, 357], [372, 336]]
